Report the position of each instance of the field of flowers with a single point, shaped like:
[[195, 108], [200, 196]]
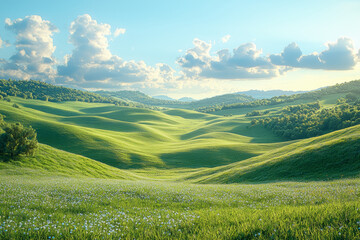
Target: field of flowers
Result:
[[69, 208]]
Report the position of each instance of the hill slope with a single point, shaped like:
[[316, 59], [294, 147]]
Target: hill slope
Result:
[[331, 156], [50, 162], [261, 94], [338, 90], [127, 137]]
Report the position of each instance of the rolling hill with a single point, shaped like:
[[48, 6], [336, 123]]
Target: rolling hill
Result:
[[331, 156], [261, 94], [126, 137], [185, 144], [50, 161], [338, 90], [139, 97]]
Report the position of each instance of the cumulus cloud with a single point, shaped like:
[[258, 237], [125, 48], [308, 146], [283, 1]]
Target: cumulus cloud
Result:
[[225, 38], [339, 55], [196, 57], [92, 64], [4, 43], [119, 31], [244, 62], [34, 45]]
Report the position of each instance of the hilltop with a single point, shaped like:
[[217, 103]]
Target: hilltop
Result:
[[261, 94]]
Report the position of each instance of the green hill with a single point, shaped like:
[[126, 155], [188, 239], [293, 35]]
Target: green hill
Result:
[[331, 156], [136, 96], [337, 91], [128, 137], [49, 161], [47, 92], [186, 144], [139, 97]]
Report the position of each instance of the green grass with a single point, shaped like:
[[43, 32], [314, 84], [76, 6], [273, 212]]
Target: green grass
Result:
[[331, 156], [135, 138], [303, 189], [49, 161], [68, 208]]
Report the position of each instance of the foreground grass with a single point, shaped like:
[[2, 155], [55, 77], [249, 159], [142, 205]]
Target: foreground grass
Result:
[[68, 208]]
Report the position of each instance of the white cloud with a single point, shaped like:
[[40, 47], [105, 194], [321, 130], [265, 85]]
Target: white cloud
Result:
[[339, 55], [92, 64], [196, 58], [245, 62], [34, 44], [119, 31], [225, 38]]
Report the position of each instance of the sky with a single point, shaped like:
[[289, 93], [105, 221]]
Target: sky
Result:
[[181, 48]]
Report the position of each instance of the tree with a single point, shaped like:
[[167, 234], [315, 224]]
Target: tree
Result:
[[17, 139]]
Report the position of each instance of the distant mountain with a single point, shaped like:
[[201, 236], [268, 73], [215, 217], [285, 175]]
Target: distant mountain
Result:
[[139, 97], [222, 100], [186, 99], [261, 94], [136, 96], [164, 97]]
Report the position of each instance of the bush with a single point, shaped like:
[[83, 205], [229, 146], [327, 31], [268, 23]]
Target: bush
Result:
[[16, 106], [17, 140]]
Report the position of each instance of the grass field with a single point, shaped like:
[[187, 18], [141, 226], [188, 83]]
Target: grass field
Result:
[[108, 172], [63, 208]]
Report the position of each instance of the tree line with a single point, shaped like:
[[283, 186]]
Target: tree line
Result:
[[32, 89], [309, 120], [348, 87]]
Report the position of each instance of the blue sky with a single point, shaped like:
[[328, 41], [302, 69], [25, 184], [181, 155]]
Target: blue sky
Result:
[[171, 47]]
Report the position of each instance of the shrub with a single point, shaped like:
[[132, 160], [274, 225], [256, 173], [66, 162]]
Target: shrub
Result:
[[17, 139], [16, 106]]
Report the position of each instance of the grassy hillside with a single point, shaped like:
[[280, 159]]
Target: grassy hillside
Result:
[[128, 137], [136, 96], [285, 189], [331, 156], [352, 87], [49, 161], [328, 100]]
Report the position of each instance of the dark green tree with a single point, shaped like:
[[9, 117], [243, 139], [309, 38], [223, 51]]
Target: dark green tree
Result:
[[17, 140]]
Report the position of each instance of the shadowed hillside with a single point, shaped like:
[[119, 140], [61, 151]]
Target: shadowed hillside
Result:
[[331, 156], [50, 161]]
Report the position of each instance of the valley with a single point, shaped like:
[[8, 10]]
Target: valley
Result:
[[133, 172]]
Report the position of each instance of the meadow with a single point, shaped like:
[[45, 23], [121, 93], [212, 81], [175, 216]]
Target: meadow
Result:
[[110, 172], [85, 208]]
